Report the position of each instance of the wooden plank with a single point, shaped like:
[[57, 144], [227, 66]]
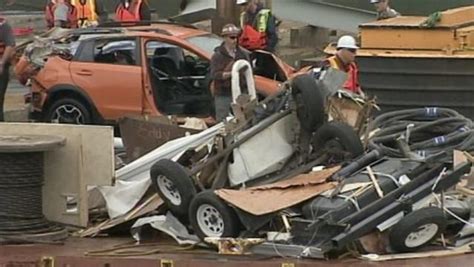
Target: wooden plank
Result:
[[418, 255], [375, 182], [86, 159]]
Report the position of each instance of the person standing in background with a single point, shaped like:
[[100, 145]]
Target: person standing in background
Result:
[[383, 9], [90, 12], [7, 50], [222, 62], [259, 27], [60, 13], [132, 11]]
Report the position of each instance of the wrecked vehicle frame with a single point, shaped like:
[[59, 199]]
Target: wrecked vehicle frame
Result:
[[297, 137]]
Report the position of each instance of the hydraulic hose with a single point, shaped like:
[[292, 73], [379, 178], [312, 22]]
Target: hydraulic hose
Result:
[[427, 131]]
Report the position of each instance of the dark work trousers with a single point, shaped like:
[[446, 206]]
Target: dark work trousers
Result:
[[222, 103], [4, 77]]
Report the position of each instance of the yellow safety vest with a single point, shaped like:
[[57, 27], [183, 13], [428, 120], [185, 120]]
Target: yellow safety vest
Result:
[[262, 20]]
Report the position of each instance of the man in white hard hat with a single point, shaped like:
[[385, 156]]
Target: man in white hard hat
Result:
[[259, 27], [344, 60], [383, 9]]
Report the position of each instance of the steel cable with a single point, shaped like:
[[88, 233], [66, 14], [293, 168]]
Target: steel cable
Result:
[[21, 209]]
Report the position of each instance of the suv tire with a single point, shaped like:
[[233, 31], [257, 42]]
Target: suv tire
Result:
[[68, 110]]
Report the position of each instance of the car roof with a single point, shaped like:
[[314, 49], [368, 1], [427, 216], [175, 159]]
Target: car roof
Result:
[[165, 27], [176, 30]]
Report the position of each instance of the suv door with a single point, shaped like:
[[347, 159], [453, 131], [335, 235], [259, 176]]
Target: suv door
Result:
[[179, 79], [109, 71]]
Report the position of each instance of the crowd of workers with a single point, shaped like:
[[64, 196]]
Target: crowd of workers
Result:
[[258, 30], [86, 13]]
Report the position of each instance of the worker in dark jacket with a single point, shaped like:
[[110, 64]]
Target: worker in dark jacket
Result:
[[259, 29], [7, 49], [222, 61], [383, 9]]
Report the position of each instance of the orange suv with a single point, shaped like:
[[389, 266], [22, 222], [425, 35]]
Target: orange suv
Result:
[[98, 76]]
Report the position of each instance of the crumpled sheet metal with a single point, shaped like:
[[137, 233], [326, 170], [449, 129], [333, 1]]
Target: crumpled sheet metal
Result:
[[271, 198], [133, 180]]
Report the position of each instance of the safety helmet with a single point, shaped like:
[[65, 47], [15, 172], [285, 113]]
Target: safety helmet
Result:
[[230, 29], [242, 2], [375, 1], [347, 41]]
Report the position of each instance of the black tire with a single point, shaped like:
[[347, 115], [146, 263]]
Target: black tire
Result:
[[72, 111], [222, 221], [429, 221], [174, 185], [340, 137], [309, 100]]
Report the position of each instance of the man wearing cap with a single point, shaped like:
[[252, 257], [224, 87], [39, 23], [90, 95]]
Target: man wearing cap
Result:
[[344, 60], [7, 49], [383, 9], [221, 66], [259, 30]]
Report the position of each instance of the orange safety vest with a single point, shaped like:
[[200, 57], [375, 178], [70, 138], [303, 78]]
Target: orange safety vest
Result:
[[49, 14], [130, 14], [85, 12], [254, 37], [251, 39], [352, 83]]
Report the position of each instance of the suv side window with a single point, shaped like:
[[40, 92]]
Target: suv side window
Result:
[[181, 62], [120, 52]]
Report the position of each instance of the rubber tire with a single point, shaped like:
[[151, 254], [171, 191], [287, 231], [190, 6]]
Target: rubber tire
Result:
[[71, 101], [231, 221], [415, 219], [181, 179], [310, 101], [345, 134]]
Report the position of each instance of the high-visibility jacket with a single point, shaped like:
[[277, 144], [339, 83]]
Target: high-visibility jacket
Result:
[[49, 14], [132, 13], [254, 36], [352, 83], [86, 14]]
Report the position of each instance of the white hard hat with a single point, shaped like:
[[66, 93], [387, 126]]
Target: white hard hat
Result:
[[347, 41], [241, 2], [375, 1]]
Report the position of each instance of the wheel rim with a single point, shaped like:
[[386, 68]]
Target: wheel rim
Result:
[[422, 235], [68, 114], [210, 221], [168, 189]]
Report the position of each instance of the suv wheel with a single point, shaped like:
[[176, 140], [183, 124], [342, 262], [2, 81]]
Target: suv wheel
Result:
[[69, 111]]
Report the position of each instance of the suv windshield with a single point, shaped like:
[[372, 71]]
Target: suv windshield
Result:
[[206, 42]]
